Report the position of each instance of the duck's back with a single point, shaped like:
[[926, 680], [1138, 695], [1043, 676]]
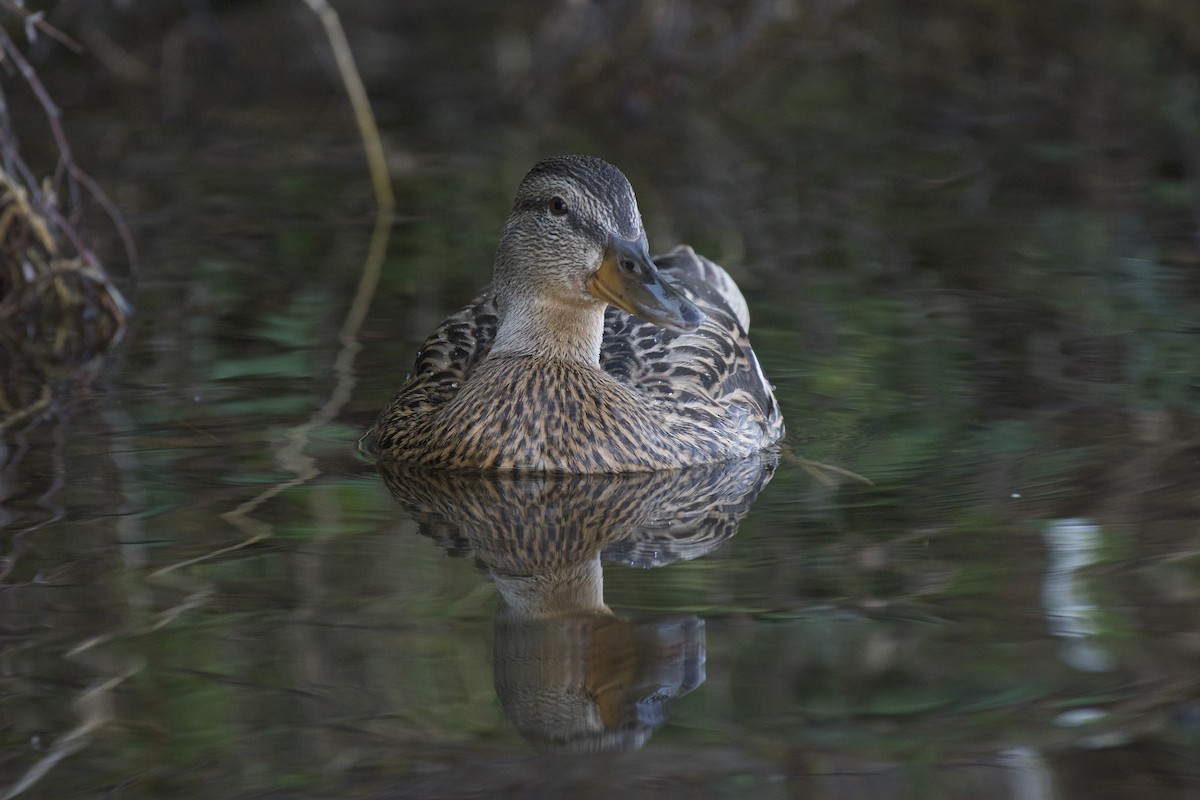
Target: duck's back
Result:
[[710, 370], [661, 399]]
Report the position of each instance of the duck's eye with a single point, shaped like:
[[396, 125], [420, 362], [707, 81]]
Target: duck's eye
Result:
[[558, 206]]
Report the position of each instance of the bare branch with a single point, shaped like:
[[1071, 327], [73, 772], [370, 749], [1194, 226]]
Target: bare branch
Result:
[[77, 177], [36, 21]]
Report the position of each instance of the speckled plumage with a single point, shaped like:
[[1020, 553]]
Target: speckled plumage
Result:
[[519, 379], [542, 525]]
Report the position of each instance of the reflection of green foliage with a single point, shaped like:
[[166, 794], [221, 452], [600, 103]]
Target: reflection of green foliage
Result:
[[453, 238]]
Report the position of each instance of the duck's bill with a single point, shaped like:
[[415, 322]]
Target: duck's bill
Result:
[[628, 279]]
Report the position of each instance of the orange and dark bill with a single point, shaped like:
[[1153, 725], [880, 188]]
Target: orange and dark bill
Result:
[[628, 279]]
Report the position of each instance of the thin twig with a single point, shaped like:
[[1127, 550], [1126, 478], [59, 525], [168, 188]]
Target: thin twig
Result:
[[363, 115], [114, 214], [67, 162], [37, 20]]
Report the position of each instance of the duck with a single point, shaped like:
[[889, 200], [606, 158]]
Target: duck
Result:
[[584, 355]]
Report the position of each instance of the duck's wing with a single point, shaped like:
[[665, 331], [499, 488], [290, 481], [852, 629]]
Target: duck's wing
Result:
[[709, 373], [454, 348], [442, 365], [707, 283]]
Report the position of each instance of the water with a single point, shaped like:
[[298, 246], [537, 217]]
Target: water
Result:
[[968, 243]]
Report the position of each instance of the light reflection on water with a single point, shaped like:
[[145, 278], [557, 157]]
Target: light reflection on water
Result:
[[1073, 544]]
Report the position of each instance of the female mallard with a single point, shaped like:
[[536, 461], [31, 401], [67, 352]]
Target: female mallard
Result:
[[539, 373]]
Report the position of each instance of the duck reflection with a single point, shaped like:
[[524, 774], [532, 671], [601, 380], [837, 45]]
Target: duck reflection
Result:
[[569, 673]]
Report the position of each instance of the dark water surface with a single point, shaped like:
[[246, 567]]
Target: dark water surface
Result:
[[968, 235]]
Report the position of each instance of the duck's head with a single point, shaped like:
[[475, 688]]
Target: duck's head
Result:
[[574, 239]]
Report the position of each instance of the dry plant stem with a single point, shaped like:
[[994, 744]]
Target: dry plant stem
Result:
[[38, 22], [360, 102], [114, 214], [21, 206], [9, 49], [53, 114], [380, 180]]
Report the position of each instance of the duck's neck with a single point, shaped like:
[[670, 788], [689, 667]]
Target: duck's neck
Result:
[[567, 591], [548, 328]]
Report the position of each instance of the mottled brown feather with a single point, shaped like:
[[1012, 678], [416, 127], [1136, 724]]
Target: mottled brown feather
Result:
[[539, 525], [655, 399]]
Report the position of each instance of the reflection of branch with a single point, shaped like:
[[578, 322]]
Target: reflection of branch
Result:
[[94, 706], [819, 470], [95, 710], [292, 456]]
